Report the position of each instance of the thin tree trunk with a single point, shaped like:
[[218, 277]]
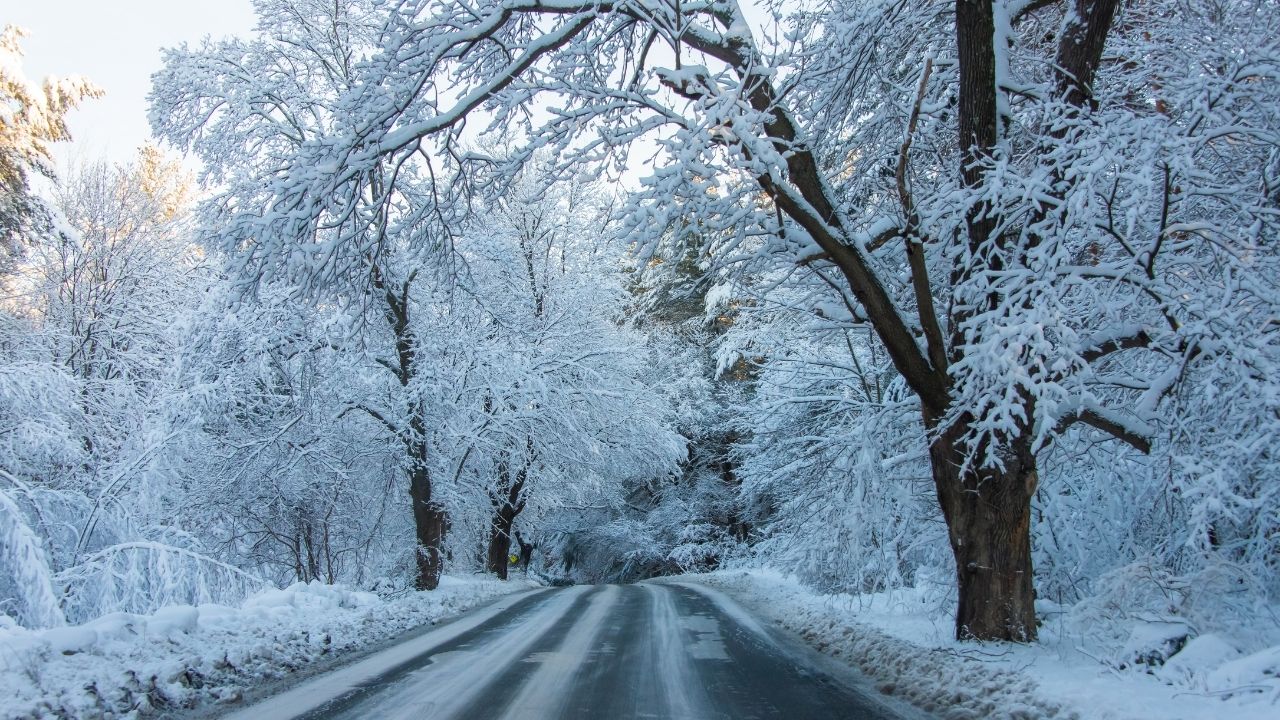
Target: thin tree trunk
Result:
[[431, 521], [526, 553], [508, 502]]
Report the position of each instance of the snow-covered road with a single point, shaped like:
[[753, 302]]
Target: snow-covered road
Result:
[[634, 651]]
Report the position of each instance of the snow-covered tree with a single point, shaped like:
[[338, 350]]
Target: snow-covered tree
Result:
[[31, 118], [1043, 237], [573, 408], [92, 326], [479, 308]]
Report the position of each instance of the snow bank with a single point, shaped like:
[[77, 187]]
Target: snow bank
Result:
[[903, 643], [179, 657]]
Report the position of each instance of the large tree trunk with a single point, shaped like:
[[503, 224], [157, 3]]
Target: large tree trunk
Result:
[[432, 524], [988, 516], [987, 510], [500, 540]]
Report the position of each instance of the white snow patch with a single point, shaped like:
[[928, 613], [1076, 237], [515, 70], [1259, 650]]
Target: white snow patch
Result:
[[731, 609], [1250, 676], [683, 700], [903, 644], [708, 643], [126, 666], [330, 686], [453, 680], [1153, 642], [1201, 656]]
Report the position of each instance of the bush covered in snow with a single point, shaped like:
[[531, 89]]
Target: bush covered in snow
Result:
[[136, 664], [902, 640]]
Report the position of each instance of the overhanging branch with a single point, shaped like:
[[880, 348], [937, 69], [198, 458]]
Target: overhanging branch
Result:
[[1111, 426]]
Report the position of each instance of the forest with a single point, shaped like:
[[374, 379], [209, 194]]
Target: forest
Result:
[[977, 299]]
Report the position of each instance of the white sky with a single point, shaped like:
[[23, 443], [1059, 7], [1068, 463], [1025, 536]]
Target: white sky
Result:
[[116, 44]]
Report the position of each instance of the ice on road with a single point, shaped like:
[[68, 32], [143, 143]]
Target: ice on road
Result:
[[632, 651]]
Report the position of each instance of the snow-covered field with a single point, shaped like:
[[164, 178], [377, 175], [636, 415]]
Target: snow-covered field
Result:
[[125, 665], [905, 645]]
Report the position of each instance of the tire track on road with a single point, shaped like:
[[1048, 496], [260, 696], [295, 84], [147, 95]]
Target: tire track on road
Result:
[[543, 694], [449, 682]]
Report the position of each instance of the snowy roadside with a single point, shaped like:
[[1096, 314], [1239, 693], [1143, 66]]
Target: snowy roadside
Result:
[[124, 665], [901, 644]]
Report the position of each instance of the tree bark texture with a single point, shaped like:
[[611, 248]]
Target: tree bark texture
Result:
[[988, 516], [500, 541], [508, 502], [431, 523], [977, 118], [1080, 50]]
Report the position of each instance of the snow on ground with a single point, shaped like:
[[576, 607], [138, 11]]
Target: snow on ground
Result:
[[904, 644], [126, 665]]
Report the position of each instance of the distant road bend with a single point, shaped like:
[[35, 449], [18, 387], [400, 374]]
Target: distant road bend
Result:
[[591, 652]]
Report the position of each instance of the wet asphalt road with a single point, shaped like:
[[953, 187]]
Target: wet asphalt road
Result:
[[588, 652]]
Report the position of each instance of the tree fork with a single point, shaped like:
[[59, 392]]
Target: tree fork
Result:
[[507, 505]]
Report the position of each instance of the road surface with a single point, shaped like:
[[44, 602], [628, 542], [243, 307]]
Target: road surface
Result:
[[591, 652]]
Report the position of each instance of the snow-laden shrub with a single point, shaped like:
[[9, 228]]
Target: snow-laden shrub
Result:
[[1218, 598], [26, 583], [142, 577], [700, 547], [42, 428], [55, 566], [1223, 462], [839, 498]]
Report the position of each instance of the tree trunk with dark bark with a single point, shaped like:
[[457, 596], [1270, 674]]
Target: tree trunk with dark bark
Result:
[[988, 516], [991, 540], [500, 540], [431, 523], [508, 502]]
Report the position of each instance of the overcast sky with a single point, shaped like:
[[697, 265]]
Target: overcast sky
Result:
[[116, 44]]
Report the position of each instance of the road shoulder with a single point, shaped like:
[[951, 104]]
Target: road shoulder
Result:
[[757, 615], [399, 621], [912, 680], [904, 645]]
